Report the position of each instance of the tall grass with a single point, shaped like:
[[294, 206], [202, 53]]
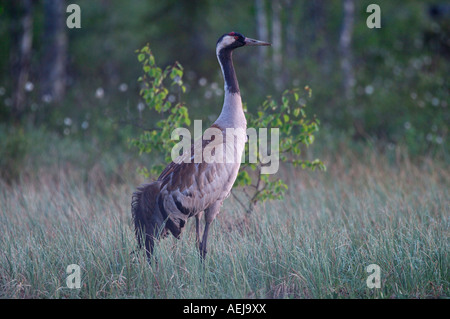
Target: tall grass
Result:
[[366, 209]]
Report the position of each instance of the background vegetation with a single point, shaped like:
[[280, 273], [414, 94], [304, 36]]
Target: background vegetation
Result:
[[70, 103]]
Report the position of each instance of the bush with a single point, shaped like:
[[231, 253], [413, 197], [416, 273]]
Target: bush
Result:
[[14, 146]]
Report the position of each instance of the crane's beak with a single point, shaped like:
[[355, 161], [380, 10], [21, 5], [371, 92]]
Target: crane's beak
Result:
[[253, 42]]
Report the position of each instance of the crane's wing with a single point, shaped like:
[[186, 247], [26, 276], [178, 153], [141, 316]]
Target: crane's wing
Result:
[[188, 188]]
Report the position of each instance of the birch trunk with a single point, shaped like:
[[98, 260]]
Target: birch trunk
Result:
[[345, 48], [53, 76], [22, 39], [277, 44], [262, 33]]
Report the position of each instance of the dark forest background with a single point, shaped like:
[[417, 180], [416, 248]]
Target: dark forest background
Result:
[[71, 96]]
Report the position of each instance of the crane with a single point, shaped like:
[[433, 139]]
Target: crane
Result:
[[187, 188]]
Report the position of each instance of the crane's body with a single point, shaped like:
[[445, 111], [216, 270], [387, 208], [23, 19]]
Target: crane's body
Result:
[[187, 188]]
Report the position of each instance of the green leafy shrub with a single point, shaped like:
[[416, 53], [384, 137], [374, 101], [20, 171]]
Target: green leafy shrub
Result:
[[156, 96], [296, 131], [14, 146]]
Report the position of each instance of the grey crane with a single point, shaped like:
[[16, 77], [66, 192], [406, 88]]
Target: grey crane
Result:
[[188, 188]]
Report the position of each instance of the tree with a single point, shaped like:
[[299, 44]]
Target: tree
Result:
[[277, 44], [22, 40], [53, 73], [345, 48], [262, 32]]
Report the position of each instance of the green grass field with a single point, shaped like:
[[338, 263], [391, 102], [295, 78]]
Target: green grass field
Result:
[[316, 243]]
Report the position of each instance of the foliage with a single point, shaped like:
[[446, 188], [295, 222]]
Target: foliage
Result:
[[400, 92], [14, 145], [158, 98], [296, 131], [289, 116]]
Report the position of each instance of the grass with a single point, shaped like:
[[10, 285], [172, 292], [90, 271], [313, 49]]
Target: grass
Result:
[[316, 243]]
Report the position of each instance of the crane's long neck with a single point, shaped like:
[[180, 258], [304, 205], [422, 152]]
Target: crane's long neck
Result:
[[232, 114], [229, 75]]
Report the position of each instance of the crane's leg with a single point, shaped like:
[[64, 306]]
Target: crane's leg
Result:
[[149, 244], [202, 246], [198, 217], [210, 214]]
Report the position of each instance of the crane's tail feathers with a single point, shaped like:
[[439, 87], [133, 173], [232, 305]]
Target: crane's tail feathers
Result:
[[148, 222]]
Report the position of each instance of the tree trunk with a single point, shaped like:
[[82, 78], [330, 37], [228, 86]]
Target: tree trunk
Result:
[[291, 40], [262, 33], [277, 44], [320, 37], [53, 74], [345, 48], [22, 40], [290, 30]]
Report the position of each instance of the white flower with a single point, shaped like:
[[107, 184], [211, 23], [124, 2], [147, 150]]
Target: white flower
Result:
[[123, 87], [68, 121], [208, 94], [47, 98], [29, 86], [435, 101], [99, 93], [369, 89], [202, 81], [172, 98]]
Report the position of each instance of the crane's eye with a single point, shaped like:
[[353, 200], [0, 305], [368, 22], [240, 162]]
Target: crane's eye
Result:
[[234, 35]]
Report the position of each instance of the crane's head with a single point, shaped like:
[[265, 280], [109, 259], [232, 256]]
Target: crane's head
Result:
[[233, 40]]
